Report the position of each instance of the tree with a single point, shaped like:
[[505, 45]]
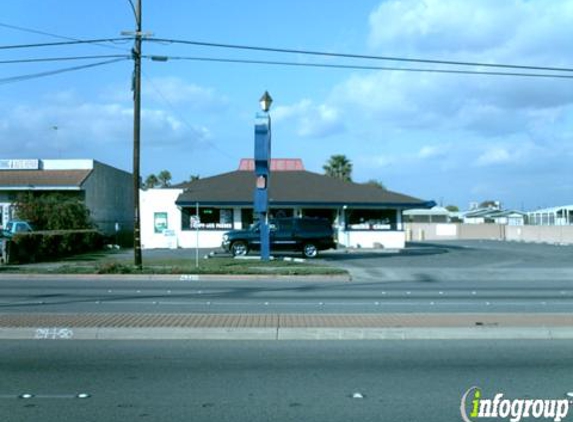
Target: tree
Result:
[[53, 211], [194, 177], [164, 178], [151, 182], [340, 167], [453, 208], [376, 183], [489, 204]]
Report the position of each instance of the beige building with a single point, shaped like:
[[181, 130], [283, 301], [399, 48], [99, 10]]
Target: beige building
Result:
[[106, 191]]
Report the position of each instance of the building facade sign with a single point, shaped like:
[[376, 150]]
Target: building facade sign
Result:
[[19, 164], [160, 222]]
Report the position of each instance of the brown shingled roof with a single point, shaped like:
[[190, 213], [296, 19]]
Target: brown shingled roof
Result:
[[27, 179], [292, 188]]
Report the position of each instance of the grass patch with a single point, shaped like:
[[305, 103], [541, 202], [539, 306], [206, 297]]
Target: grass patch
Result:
[[106, 264], [226, 266]]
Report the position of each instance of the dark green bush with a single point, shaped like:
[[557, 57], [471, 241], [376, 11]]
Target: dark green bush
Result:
[[48, 245], [53, 211], [123, 238], [114, 268]]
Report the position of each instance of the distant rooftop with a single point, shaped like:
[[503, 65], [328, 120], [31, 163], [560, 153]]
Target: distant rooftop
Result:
[[40, 174], [277, 164], [39, 164]]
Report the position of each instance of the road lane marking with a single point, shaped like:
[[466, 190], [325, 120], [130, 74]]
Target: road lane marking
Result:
[[29, 396]]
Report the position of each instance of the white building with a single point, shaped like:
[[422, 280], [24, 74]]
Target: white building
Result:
[[433, 215], [364, 215], [555, 216]]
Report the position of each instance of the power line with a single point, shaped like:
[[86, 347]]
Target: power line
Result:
[[12, 79], [357, 56], [49, 34], [59, 59], [55, 44], [133, 9], [358, 67], [183, 119], [32, 31]]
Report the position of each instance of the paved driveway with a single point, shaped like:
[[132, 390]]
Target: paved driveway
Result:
[[458, 258]]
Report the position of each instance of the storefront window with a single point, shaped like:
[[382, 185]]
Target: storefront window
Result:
[[281, 212], [329, 214], [209, 218], [370, 219], [247, 217]]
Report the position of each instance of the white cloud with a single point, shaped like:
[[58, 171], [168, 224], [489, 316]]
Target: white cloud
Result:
[[312, 121], [518, 153], [433, 151], [30, 129], [487, 31], [443, 25], [175, 91], [494, 155]]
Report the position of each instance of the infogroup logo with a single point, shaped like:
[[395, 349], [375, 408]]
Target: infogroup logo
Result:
[[474, 407]]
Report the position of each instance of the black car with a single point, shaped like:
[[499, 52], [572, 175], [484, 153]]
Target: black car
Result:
[[308, 235]]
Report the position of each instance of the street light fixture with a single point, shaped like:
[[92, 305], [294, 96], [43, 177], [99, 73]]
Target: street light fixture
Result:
[[265, 102]]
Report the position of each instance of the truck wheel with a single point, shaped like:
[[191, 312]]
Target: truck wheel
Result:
[[239, 248], [309, 250]]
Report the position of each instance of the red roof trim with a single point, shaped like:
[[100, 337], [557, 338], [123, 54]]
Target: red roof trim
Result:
[[277, 164]]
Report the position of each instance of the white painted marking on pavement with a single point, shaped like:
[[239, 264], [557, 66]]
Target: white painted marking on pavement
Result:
[[54, 333]]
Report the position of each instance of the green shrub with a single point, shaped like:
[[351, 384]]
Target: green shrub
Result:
[[123, 238], [48, 245], [114, 268]]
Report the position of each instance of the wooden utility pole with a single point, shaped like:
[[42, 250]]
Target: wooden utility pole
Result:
[[137, 135]]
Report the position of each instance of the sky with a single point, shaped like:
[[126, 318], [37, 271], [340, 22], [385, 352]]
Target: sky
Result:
[[451, 138]]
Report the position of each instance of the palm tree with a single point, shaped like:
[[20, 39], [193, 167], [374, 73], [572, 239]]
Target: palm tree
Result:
[[151, 182], [340, 167], [164, 178]]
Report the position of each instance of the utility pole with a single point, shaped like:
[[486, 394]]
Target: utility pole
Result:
[[137, 137], [136, 87]]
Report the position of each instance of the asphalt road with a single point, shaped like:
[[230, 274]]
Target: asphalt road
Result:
[[471, 276], [264, 381], [408, 292]]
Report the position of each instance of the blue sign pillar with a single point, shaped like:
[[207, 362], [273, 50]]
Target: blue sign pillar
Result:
[[263, 173]]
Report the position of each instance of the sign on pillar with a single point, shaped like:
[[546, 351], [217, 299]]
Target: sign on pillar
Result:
[[263, 173]]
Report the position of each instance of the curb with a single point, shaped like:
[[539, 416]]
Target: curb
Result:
[[415, 333], [174, 277]]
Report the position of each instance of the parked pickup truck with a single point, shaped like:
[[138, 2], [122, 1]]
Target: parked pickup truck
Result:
[[307, 235]]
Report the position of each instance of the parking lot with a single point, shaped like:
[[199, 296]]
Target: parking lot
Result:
[[456, 261], [460, 254], [469, 254]]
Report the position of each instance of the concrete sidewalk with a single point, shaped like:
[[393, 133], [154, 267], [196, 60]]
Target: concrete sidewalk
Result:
[[103, 326]]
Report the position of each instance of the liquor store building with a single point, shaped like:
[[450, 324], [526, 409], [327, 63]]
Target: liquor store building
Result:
[[201, 211]]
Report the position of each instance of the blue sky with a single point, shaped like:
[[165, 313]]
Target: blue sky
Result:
[[450, 138]]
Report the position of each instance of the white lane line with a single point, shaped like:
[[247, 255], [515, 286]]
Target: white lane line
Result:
[[30, 396], [385, 302], [344, 304]]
